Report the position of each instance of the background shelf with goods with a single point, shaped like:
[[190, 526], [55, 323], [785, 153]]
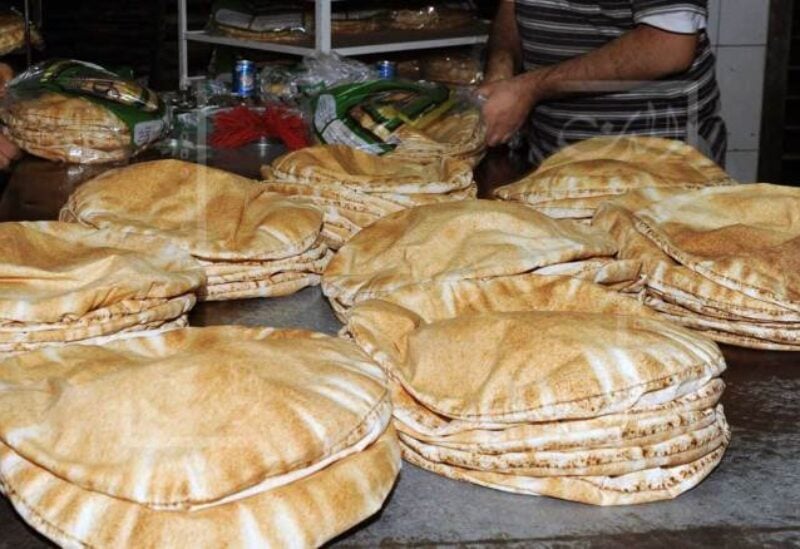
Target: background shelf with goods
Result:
[[329, 31]]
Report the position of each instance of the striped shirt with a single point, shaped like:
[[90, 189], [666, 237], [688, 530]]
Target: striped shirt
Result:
[[684, 106]]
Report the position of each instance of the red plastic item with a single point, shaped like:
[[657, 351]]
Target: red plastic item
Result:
[[242, 125]]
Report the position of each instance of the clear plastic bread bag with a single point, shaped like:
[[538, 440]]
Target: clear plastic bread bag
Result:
[[379, 116], [266, 20], [314, 74], [77, 112]]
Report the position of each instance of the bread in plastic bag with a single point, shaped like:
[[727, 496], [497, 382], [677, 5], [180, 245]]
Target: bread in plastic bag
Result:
[[261, 21], [78, 112], [416, 120]]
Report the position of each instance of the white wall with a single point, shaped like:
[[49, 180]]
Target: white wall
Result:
[[738, 33]]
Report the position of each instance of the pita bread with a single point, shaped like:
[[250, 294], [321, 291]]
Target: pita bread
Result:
[[59, 272], [411, 200], [460, 135], [213, 214], [64, 332], [349, 167], [274, 286], [66, 128], [636, 426], [222, 273], [689, 297], [192, 417], [307, 512], [575, 181], [434, 301], [534, 405], [679, 450], [607, 365], [330, 194], [453, 241], [640, 487], [678, 284], [782, 333], [745, 238], [354, 188], [619, 274], [665, 277], [138, 330], [604, 166]]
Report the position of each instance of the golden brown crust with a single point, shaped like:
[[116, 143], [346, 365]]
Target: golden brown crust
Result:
[[193, 417]]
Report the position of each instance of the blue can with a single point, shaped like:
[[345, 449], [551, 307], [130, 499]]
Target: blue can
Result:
[[386, 69], [244, 78]]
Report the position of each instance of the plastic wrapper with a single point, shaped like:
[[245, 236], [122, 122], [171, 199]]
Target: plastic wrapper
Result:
[[431, 18], [457, 69], [12, 32], [266, 21], [80, 113], [357, 21], [314, 74], [417, 120]]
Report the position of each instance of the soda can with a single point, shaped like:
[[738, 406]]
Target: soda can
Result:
[[244, 78], [386, 69]]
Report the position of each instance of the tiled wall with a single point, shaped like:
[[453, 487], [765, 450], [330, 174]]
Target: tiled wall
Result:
[[738, 33]]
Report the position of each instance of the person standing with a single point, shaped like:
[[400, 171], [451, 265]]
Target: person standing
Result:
[[568, 70]]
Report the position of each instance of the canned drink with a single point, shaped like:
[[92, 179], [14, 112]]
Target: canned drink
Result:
[[387, 69], [244, 78]]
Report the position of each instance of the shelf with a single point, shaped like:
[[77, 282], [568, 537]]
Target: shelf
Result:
[[378, 42], [361, 44], [208, 38]]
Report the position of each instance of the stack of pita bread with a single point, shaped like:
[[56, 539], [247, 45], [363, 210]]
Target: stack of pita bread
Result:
[[67, 129], [464, 240], [355, 188], [547, 385], [251, 242], [575, 181], [200, 437], [459, 134], [721, 260], [61, 283]]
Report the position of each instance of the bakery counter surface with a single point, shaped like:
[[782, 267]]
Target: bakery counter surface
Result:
[[752, 499]]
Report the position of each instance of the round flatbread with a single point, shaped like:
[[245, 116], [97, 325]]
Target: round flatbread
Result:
[[564, 365], [349, 167], [66, 128], [452, 241], [644, 486], [560, 349], [58, 272], [745, 238], [194, 417], [604, 166], [213, 214], [307, 512]]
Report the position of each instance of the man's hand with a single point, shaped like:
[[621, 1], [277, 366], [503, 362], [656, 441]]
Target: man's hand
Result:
[[508, 104], [8, 150]]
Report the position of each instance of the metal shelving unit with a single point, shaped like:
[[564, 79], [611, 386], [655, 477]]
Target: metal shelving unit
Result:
[[322, 42], [29, 12]]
